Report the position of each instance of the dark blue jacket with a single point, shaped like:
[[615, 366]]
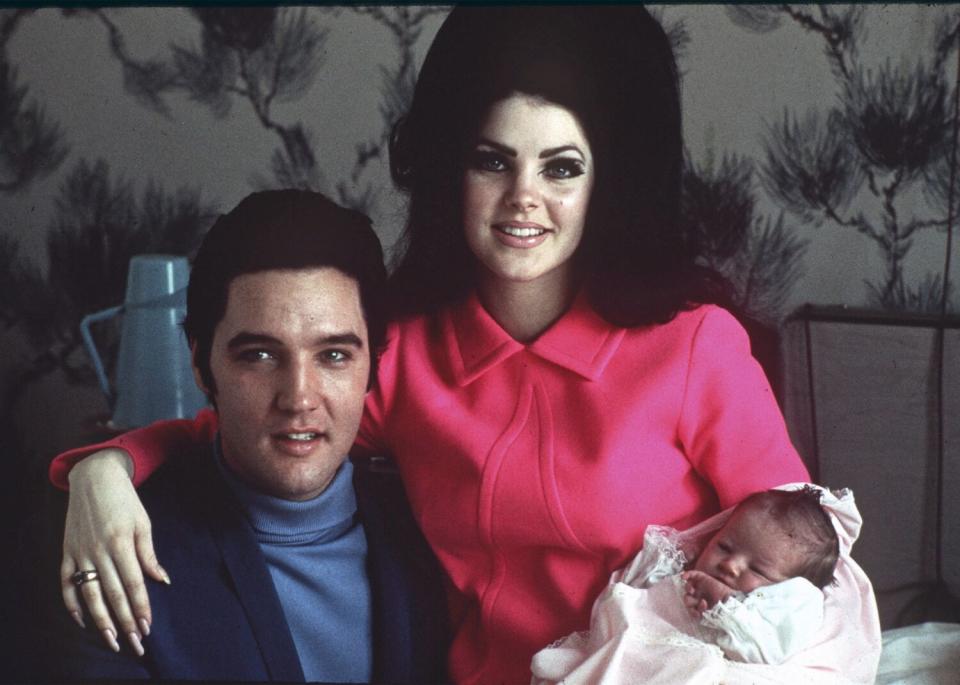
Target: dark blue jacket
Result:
[[221, 618]]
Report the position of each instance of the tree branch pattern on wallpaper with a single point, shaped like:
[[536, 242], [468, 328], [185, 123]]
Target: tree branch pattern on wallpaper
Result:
[[99, 224], [885, 138], [266, 55], [887, 134], [260, 55], [31, 145], [405, 25], [760, 256], [263, 55]]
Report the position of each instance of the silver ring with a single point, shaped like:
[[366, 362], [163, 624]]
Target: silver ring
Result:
[[81, 577]]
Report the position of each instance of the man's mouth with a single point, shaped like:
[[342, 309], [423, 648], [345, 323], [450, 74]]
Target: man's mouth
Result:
[[300, 437], [298, 443]]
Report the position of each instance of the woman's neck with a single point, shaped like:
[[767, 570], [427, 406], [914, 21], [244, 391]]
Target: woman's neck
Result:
[[526, 309]]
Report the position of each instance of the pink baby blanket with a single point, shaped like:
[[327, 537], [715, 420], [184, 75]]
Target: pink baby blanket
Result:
[[640, 632]]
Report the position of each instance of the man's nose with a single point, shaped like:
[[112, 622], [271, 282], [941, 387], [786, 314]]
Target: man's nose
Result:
[[301, 387]]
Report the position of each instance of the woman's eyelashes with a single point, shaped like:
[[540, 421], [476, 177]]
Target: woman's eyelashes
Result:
[[487, 160], [558, 168], [564, 167]]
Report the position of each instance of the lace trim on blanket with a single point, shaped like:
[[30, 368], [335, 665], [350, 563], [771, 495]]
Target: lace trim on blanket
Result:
[[662, 556], [667, 540], [579, 636], [672, 639], [714, 616]]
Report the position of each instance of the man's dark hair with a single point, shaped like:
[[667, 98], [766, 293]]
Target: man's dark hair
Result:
[[283, 229], [799, 514], [613, 67]]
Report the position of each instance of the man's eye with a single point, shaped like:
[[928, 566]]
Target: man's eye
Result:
[[255, 356], [484, 160], [565, 167], [723, 546], [335, 356]]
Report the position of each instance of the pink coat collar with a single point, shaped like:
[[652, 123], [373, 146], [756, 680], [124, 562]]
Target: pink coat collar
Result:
[[581, 341]]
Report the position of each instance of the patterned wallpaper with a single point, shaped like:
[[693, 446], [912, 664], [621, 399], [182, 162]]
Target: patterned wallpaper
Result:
[[819, 142]]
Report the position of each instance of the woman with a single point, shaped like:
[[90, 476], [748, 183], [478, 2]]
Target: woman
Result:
[[551, 384]]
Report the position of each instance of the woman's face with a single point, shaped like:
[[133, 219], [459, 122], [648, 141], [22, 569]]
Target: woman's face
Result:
[[526, 190]]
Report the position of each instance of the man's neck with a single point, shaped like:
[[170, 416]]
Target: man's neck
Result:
[[273, 516]]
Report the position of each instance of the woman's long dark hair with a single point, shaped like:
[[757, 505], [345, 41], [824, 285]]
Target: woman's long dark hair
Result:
[[614, 68]]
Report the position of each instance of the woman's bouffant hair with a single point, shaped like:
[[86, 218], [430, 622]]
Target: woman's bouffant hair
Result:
[[800, 515], [613, 67]]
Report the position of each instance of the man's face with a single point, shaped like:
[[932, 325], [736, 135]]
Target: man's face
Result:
[[290, 360]]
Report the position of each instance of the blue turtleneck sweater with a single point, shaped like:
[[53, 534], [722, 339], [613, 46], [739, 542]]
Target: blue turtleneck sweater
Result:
[[316, 552]]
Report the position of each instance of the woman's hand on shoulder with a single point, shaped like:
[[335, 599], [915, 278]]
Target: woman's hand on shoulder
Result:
[[108, 531]]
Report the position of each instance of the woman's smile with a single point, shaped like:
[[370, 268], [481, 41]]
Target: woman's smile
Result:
[[520, 234]]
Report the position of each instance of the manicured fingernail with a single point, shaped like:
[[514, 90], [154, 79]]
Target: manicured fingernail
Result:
[[135, 641], [78, 618], [144, 626], [111, 639], [166, 576]]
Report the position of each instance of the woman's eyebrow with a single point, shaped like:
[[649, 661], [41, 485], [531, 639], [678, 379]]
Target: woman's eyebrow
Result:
[[499, 147], [551, 151]]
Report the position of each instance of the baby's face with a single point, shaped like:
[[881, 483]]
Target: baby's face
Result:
[[750, 551]]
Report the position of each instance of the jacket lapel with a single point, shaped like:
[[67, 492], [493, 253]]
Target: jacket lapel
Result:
[[410, 632], [247, 571]]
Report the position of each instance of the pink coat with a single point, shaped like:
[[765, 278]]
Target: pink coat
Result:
[[534, 469]]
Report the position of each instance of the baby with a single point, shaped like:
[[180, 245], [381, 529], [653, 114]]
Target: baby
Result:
[[771, 537], [752, 594]]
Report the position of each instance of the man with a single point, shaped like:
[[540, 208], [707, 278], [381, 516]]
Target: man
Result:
[[288, 562]]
